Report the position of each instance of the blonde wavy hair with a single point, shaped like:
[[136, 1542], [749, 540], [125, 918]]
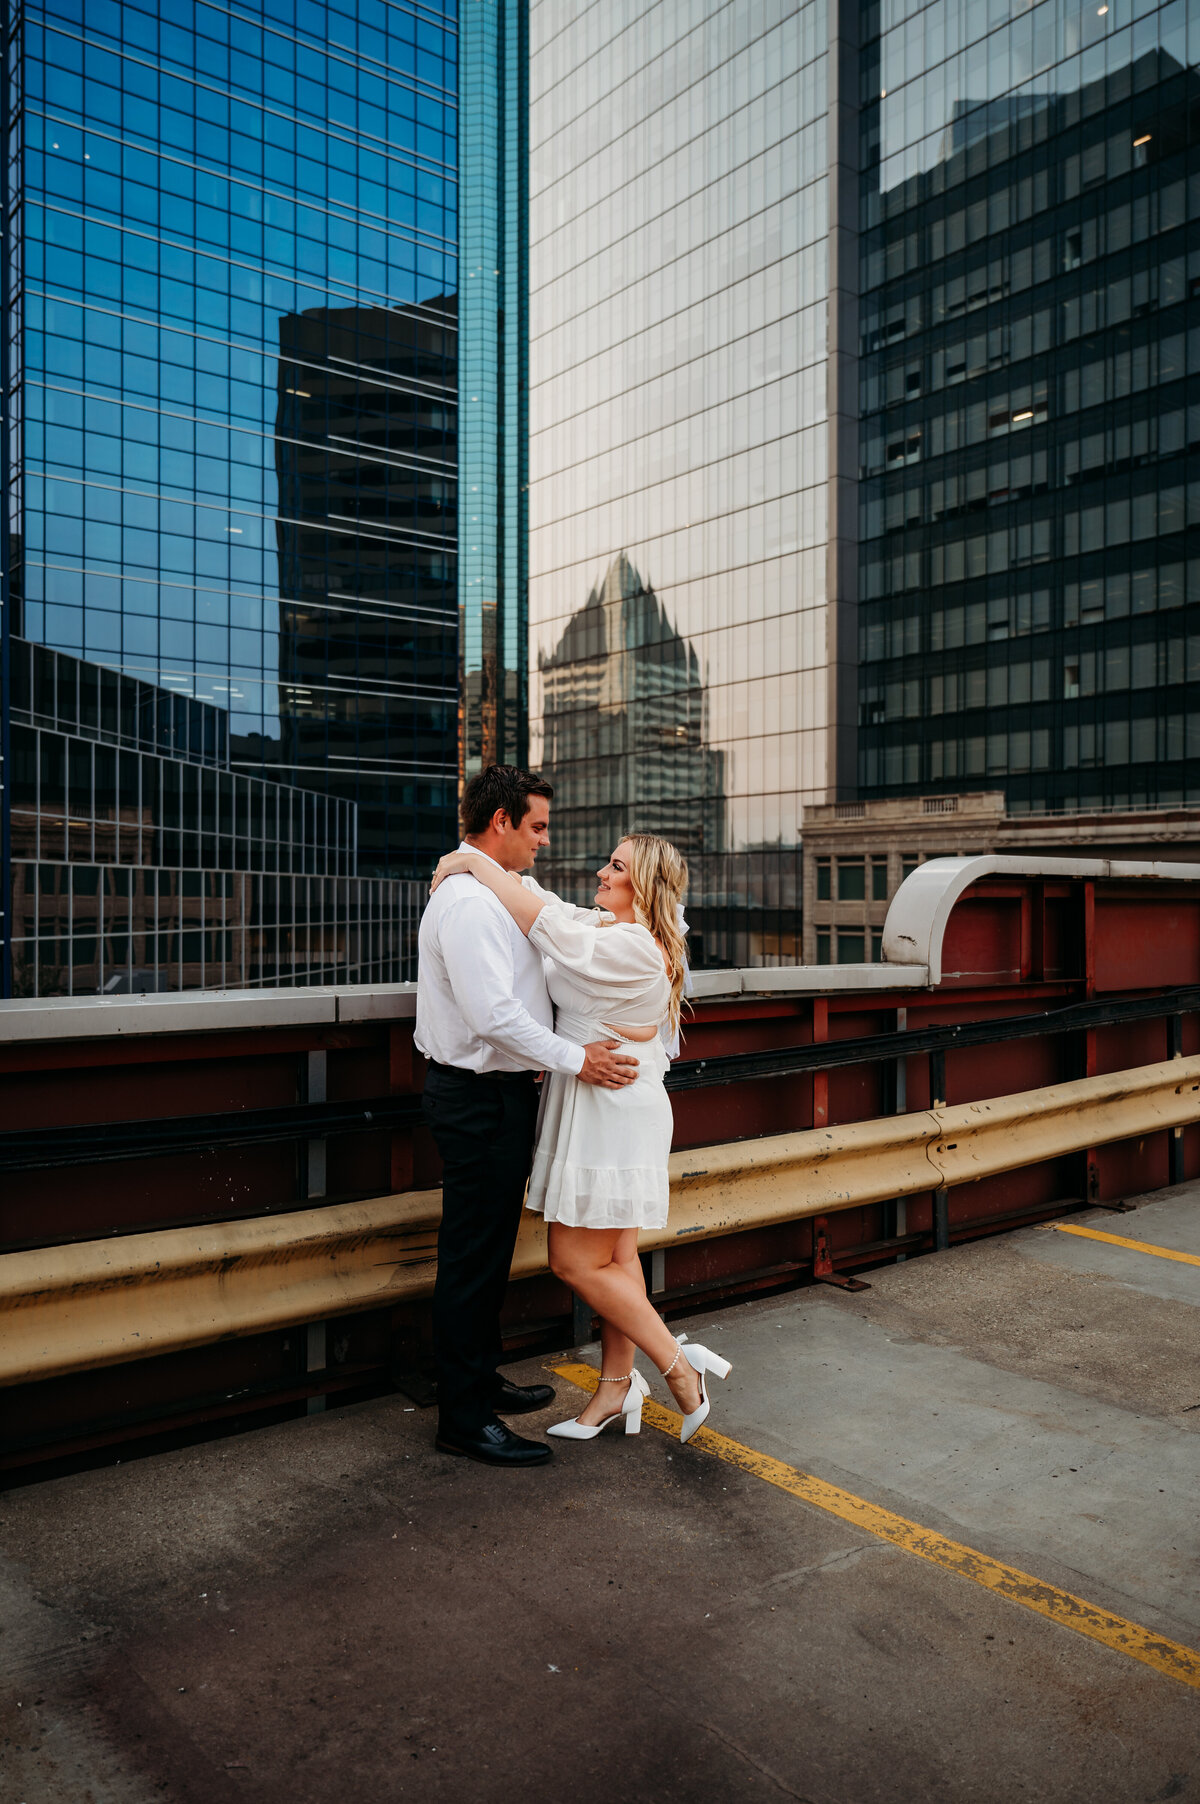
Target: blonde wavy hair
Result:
[[659, 877]]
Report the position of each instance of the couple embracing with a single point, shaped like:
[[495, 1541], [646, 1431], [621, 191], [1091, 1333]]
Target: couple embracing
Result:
[[512, 982]]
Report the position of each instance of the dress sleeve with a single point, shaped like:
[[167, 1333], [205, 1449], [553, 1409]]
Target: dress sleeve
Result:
[[617, 961], [552, 901]]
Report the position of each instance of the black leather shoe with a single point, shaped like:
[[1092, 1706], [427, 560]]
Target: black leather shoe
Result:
[[522, 1399], [493, 1445]]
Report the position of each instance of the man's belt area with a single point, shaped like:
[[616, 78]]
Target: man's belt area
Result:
[[483, 1077]]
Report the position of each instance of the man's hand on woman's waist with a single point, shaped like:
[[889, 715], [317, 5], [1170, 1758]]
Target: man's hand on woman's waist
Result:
[[609, 1069]]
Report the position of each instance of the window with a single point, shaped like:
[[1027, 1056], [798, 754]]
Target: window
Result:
[[852, 880], [824, 892], [851, 949], [879, 880], [876, 945], [823, 953], [908, 866]]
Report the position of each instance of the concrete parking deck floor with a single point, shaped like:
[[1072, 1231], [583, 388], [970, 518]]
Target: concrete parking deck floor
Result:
[[329, 1610]]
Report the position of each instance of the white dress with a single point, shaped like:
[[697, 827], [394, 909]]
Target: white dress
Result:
[[601, 1155]]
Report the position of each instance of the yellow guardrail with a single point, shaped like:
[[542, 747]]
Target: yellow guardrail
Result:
[[96, 1303]]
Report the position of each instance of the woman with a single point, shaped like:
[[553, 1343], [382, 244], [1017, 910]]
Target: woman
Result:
[[600, 1163]]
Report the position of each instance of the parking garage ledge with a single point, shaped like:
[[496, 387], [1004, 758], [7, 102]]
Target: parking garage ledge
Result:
[[225, 1011]]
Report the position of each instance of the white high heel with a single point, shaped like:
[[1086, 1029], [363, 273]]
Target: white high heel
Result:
[[701, 1360], [630, 1413]]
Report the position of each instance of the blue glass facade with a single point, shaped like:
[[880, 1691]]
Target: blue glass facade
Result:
[[492, 383], [232, 385]]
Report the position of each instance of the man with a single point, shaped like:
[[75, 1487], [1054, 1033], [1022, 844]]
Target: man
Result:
[[485, 1025]]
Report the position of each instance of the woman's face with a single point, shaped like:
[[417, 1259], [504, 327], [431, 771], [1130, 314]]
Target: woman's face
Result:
[[616, 885]]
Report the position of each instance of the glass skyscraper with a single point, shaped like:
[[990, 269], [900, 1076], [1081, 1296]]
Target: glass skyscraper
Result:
[[864, 419], [230, 462], [493, 382], [1030, 401], [679, 430]]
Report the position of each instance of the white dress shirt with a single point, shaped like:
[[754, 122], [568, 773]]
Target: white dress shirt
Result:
[[482, 1001]]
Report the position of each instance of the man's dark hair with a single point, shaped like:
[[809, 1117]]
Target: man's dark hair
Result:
[[499, 786]]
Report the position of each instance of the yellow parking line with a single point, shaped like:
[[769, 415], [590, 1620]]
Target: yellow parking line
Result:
[[1119, 1240], [1169, 1657]]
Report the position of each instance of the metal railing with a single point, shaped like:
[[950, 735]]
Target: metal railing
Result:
[[37, 1149], [103, 1302]]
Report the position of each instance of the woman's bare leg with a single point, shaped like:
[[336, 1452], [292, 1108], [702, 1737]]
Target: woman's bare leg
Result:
[[586, 1259], [617, 1350]]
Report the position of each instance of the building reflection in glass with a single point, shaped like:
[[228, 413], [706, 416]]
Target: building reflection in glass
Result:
[[1029, 539], [141, 861], [680, 414], [624, 738], [365, 459]]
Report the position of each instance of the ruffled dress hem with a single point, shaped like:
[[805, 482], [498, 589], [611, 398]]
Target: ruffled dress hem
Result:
[[587, 1196]]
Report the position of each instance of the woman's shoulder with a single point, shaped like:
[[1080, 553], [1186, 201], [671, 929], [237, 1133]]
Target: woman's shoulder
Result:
[[639, 944], [634, 930]]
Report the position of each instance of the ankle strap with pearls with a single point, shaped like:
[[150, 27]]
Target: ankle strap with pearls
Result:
[[623, 1379]]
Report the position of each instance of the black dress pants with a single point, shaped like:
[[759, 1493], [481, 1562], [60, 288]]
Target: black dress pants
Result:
[[484, 1128]]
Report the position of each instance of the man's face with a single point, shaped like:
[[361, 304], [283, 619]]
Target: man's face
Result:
[[524, 841]]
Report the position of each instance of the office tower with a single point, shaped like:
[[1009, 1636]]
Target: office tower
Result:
[[492, 382], [1030, 381], [364, 465], [864, 340], [680, 431], [230, 448]]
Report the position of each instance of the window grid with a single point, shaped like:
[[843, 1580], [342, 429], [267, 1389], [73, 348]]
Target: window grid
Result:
[[232, 452], [1029, 501]]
